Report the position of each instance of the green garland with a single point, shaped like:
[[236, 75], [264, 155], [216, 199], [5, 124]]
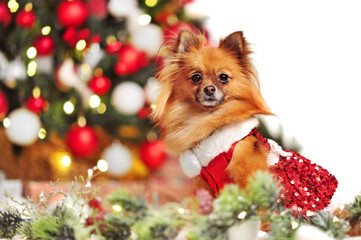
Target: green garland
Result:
[[131, 217]]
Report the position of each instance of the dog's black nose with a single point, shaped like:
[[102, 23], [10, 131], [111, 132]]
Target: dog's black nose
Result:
[[209, 90]]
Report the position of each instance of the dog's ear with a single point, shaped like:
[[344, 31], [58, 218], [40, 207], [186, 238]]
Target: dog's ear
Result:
[[187, 41], [235, 43]]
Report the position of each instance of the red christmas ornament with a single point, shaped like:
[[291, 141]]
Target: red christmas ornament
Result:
[[70, 36], [121, 68], [164, 15], [114, 47], [144, 112], [5, 15], [130, 60], [143, 60], [96, 39], [25, 19], [44, 45], [36, 105], [129, 55], [306, 186], [4, 106], [153, 154], [98, 8], [100, 85], [82, 141], [83, 34], [171, 32], [72, 13]]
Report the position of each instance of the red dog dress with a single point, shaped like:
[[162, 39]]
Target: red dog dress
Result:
[[306, 186]]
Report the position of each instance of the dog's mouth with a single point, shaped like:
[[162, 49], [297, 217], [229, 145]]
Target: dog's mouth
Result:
[[209, 101]]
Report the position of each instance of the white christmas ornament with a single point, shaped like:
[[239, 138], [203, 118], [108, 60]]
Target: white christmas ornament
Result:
[[16, 70], [3, 65], [148, 38], [24, 127], [152, 90], [93, 55], [119, 159], [69, 77], [44, 64], [309, 232], [127, 9], [246, 230], [128, 97], [122, 8]]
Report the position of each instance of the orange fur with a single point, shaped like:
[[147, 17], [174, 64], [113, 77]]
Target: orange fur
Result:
[[184, 122], [249, 156]]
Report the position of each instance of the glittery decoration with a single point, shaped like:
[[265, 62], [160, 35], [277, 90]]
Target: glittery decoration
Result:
[[306, 186], [205, 201]]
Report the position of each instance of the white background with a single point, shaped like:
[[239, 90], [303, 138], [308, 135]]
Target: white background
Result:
[[308, 57]]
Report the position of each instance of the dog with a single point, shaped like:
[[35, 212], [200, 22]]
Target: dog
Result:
[[207, 112]]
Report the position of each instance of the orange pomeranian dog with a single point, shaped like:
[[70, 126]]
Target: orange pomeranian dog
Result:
[[207, 111]]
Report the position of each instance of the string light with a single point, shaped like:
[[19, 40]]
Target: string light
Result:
[[36, 92], [66, 161], [81, 121], [181, 210], [68, 107], [110, 39], [85, 71], [90, 172], [31, 52], [152, 136], [102, 108], [32, 68], [80, 45], [28, 7], [42, 133], [13, 6], [294, 225], [61, 160], [117, 208], [94, 101], [6, 122], [153, 106], [98, 72], [151, 3], [46, 30], [242, 215], [102, 165], [144, 19]]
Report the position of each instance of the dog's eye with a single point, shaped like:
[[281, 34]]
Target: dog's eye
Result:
[[196, 77], [223, 78]]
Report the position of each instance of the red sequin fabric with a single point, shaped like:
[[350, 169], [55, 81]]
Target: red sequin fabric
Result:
[[306, 186]]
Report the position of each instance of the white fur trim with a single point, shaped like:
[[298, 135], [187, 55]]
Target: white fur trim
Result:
[[275, 153], [220, 141], [190, 164]]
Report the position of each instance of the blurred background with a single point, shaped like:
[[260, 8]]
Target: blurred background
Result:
[[77, 84]]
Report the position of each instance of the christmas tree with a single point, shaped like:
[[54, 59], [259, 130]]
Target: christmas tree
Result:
[[77, 83]]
